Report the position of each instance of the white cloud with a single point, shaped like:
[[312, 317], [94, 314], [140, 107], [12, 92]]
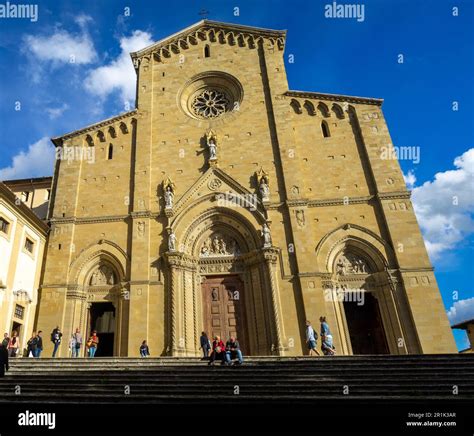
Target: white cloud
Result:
[[119, 75], [62, 46], [56, 112], [37, 161], [462, 310], [444, 206], [410, 179]]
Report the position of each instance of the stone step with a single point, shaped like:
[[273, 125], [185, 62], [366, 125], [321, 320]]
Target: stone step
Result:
[[169, 379]]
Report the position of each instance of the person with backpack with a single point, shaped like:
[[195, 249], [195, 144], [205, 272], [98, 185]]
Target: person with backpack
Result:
[[311, 339], [75, 343], [32, 345], [56, 336], [6, 340], [327, 346], [39, 346], [205, 345], [13, 344]]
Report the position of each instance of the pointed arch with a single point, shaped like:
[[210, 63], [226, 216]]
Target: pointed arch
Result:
[[309, 106], [359, 239], [338, 111], [323, 109], [295, 104], [325, 129]]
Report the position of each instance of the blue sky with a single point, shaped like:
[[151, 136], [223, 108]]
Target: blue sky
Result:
[[71, 68]]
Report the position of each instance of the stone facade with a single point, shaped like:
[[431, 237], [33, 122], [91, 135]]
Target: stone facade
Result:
[[221, 170]]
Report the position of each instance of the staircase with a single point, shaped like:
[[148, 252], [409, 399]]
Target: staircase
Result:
[[260, 380]]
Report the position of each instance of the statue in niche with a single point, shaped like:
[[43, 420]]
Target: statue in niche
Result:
[[263, 184], [211, 141], [211, 144], [171, 241], [300, 219], [168, 189], [267, 238], [102, 276], [349, 263], [169, 196], [219, 245], [264, 189]]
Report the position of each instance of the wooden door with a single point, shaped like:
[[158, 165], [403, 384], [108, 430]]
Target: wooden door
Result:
[[224, 309]]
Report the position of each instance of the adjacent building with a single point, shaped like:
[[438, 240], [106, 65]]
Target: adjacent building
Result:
[[23, 237]]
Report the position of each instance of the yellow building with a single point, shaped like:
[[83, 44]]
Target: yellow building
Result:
[[228, 203], [22, 243]]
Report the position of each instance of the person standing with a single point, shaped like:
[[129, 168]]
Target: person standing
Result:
[[327, 346], [3, 359], [205, 345], [92, 344], [144, 350], [13, 344], [6, 340], [32, 345], [56, 336], [39, 346], [311, 338], [76, 346], [218, 351], [233, 351]]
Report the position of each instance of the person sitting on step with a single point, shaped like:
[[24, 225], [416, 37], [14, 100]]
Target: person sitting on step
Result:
[[144, 350], [232, 351], [218, 351]]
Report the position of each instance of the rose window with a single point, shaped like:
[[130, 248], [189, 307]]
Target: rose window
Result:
[[210, 103]]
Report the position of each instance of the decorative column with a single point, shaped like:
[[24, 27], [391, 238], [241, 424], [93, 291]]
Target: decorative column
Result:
[[270, 255], [173, 261]]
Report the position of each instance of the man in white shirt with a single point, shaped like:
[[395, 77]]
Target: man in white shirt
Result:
[[311, 339]]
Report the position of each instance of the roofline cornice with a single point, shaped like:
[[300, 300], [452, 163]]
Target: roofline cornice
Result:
[[203, 25], [334, 97], [23, 210], [58, 140]]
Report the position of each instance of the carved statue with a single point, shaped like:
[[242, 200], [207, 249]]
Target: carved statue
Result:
[[349, 263], [264, 189], [168, 189], [267, 238], [172, 241], [102, 276], [169, 196], [219, 245], [212, 149]]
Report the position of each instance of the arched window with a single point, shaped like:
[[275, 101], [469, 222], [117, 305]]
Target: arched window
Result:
[[207, 51], [110, 152], [325, 129]]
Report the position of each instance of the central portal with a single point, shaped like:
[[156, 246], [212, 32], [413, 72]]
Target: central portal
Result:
[[224, 309]]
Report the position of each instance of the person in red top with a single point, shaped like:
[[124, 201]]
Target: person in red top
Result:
[[218, 351]]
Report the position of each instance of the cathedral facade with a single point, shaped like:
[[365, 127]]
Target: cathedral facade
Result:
[[227, 203]]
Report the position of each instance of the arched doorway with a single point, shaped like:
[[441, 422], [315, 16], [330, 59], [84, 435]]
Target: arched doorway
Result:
[[103, 300], [222, 282], [365, 326]]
